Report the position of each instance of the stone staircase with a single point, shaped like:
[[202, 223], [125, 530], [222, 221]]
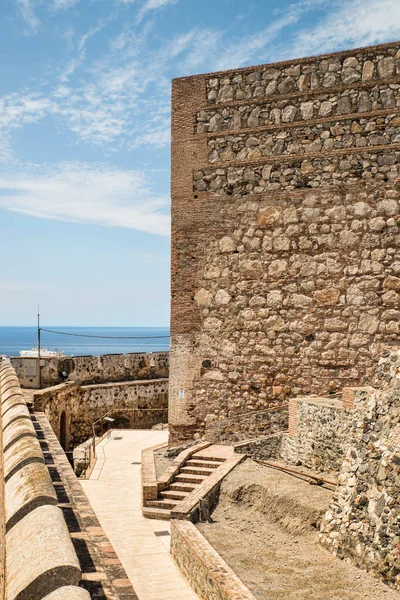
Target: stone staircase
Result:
[[194, 472]]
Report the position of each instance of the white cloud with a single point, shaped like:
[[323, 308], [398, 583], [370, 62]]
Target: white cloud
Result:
[[76, 62], [345, 24], [29, 8], [157, 138], [19, 109], [27, 11], [64, 4], [261, 45], [6, 153], [198, 47], [121, 98], [154, 5], [350, 24], [81, 193]]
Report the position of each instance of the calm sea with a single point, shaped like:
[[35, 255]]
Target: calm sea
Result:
[[14, 339]]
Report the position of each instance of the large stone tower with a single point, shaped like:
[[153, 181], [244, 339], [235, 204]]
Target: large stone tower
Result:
[[285, 244]]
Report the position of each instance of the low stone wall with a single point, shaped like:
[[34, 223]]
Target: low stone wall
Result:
[[40, 557], [248, 425], [363, 520], [203, 568], [318, 433], [91, 369], [264, 447], [199, 504], [318, 436], [149, 475], [167, 477], [72, 409]]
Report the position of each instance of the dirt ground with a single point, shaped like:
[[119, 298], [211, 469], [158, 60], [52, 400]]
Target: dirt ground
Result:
[[162, 461], [265, 527]]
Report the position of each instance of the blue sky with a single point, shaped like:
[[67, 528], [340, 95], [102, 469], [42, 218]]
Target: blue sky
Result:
[[84, 136]]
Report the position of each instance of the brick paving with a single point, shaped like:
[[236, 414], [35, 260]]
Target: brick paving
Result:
[[142, 545]]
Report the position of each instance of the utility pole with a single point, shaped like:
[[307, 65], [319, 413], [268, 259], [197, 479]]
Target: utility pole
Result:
[[38, 345]]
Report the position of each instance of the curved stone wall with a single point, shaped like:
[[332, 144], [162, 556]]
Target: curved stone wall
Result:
[[40, 560]]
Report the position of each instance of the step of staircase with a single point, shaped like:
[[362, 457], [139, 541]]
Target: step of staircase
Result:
[[188, 478], [173, 495], [196, 462], [156, 513], [167, 504], [179, 486], [208, 458], [197, 470]]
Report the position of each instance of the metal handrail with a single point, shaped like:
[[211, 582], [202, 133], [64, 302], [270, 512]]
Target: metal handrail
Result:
[[114, 410]]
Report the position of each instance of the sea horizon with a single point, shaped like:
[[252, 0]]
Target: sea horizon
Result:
[[13, 339]]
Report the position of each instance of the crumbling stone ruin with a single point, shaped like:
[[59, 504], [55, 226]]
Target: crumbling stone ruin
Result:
[[285, 237], [364, 518]]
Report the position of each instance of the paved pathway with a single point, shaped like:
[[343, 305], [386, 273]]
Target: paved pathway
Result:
[[114, 491]]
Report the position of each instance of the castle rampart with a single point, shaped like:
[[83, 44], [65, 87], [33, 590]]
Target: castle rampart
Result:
[[37, 550], [90, 369], [72, 409]]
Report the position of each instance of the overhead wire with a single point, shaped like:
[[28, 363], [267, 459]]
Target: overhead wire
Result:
[[108, 337]]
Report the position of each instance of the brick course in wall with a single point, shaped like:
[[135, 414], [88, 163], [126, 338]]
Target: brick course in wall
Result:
[[285, 200]]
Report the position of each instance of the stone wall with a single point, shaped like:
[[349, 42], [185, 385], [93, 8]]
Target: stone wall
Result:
[[363, 520], [203, 568], [72, 409], [264, 447], [318, 435], [91, 369], [249, 425], [39, 556], [285, 238]]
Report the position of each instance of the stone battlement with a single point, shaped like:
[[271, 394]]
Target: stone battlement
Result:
[[90, 369], [36, 566], [72, 408]]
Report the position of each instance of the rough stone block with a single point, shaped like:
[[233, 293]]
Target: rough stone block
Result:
[[11, 392], [8, 382], [14, 414], [27, 489], [20, 429], [40, 556], [14, 400], [68, 592], [25, 451]]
